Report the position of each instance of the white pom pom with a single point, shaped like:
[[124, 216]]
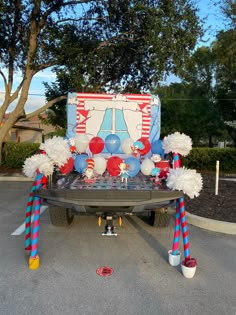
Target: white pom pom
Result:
[[57, 149], [46, 165], [177, 143], [40, 162], [31, 164], [189, 181]]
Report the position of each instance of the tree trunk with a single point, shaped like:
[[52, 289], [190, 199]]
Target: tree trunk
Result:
[[1, 143], [2, 137], [3, 132], [17, 113], [232, 133], [210, 144]]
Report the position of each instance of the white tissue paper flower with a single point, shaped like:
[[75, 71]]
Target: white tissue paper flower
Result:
[[46, 166], [40, 162], [189, 181], [58, 149], [177, 143]]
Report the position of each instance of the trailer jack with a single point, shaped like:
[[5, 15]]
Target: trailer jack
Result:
[[109, 229]]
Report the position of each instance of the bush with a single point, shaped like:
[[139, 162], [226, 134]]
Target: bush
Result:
[[205, 159], [14, 154]]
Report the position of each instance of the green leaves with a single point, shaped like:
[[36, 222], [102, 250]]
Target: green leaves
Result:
[[115, 46]]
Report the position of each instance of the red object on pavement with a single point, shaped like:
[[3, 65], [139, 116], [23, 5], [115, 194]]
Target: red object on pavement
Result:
[[104, 271]]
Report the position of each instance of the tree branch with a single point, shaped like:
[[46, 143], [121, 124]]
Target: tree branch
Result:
[[80, 19], [16, 93], [120, 36], [46, 106], [55, 7], [4, 78], [13, 43], [43, 66]]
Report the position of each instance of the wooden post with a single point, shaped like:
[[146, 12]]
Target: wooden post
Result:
[[217, 177]]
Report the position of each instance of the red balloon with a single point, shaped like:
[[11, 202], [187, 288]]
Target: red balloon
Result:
[[67, 167], [113, 165], [96, 145], [147, 146]]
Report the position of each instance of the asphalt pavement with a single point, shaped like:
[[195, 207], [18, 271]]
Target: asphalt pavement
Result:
[[142, 282]]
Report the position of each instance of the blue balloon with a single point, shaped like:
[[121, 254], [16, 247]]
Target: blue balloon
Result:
[[156, 147], [134, 166], [80, 163], [112, 143]]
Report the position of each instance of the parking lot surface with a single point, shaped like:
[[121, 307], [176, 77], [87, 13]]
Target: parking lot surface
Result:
[[142, 282]]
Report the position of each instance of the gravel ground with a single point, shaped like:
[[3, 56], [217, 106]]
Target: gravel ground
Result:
[[218, 207]]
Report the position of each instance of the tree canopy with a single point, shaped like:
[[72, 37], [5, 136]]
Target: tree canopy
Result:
[[126, 45], [119, 45], [129, 45]]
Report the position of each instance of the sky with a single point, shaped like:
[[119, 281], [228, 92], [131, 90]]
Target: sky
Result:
[[213, 22]]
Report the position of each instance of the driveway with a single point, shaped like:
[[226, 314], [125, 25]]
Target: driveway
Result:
[[143, 282]]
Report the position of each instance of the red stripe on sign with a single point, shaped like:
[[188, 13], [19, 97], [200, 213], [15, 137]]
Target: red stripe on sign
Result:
[[138, 97], [81, 126], [146, 126], [141, 97], [80, 130], [91, 96]]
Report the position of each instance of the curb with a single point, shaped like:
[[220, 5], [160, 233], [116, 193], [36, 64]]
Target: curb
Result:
[[208, 224], [15, 179], [211, 225]]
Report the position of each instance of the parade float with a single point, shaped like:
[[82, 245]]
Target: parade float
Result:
[[112, 163]]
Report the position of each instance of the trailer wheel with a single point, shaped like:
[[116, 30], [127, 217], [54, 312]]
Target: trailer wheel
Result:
[[60, 216], [159, 218]]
